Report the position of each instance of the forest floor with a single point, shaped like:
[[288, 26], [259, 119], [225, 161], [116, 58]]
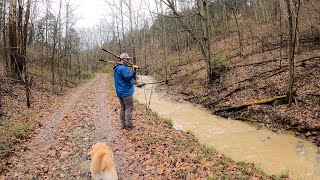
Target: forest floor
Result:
[[251, 78], [53, 138]]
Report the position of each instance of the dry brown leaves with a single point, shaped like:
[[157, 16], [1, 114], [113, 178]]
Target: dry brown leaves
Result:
[[157, 151], [152, 150], [303, 117]]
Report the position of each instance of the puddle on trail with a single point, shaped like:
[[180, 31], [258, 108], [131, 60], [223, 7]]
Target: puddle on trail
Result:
[[241, 141]]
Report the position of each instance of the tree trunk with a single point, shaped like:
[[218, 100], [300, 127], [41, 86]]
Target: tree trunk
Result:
[[296, 9], [206, 50], [79, 69], [42, 61], [281, 35], [164, 45], [13, 37], [59, 55], [118, 34], [239, 33], [256, 13], [238, 27], [31, 33], [265, 19], [145, 46], [204, 41], [132, 33], [291, 46], [298, 46], [47, 39], [1, 15], [55, 33], [20, 59], [4, 35], [226, 28], [122, 26], [24, 52], [1, 106], [66, 46], [178, 41]]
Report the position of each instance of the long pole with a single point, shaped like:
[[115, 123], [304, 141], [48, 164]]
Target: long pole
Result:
[[116, 56], [112, 62]]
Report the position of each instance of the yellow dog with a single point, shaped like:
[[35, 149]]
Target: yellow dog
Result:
[[102, 166]]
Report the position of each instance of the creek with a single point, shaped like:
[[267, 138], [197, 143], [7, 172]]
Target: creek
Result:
[[274, 152]]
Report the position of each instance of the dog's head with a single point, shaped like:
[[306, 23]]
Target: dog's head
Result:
[[100, 147]]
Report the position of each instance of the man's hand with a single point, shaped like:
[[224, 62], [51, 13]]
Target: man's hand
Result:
[[135, 67]]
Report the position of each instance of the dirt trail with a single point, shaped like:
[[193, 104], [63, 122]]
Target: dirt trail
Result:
[[59, 149], [152, 150]]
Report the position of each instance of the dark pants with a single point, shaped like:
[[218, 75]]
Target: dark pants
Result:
[[126, 104]]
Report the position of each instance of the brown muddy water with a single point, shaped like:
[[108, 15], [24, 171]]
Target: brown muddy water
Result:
[[275, 153]]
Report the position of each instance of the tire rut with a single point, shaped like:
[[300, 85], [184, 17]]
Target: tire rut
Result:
[[59, 150], [50, 129]]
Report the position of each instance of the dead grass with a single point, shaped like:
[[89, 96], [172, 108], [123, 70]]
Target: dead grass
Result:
[[12, 133]]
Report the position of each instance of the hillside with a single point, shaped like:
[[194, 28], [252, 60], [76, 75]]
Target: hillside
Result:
[[258, 74]]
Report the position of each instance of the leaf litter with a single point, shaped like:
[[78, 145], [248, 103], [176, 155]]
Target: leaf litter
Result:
[[152, 150]]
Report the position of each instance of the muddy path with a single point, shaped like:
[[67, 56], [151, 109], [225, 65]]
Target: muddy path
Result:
[[59, 149]]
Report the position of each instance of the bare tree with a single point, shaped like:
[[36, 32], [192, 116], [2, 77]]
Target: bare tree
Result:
[[122, 19], [233, 10], [4, 35], [164, 44], [133, 47], [24, 52], [281, 35], [67, 44], [204, 40], [2, 10], [55, 34], [1, 106], [15, 68], [293, 17]]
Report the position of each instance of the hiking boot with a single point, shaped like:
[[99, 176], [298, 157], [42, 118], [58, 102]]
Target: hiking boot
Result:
[[130, 127], [123, 127]]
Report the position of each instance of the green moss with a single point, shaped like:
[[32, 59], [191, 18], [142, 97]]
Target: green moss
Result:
[[198, 158], [209, 151], [211, 178], [245, 168], [259, 169], [220, 59], [227, 159], [10, 132], [283, 174], [181, 174], [21, 134], [203, 99], [168, 121]]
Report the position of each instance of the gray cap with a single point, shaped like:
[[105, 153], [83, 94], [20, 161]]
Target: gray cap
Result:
[[124, 56]]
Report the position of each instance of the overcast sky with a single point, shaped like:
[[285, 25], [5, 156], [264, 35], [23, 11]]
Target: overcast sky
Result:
[[89, 11]]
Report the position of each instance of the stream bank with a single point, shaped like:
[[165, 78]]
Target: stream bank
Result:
[[237, 84], [275, 152]]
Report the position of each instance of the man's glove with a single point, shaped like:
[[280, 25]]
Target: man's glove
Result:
[[135, 67]]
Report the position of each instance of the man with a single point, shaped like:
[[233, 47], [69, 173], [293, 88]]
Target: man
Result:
[[123, 80]]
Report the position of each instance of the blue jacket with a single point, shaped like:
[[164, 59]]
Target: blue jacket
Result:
[[123, 80]]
